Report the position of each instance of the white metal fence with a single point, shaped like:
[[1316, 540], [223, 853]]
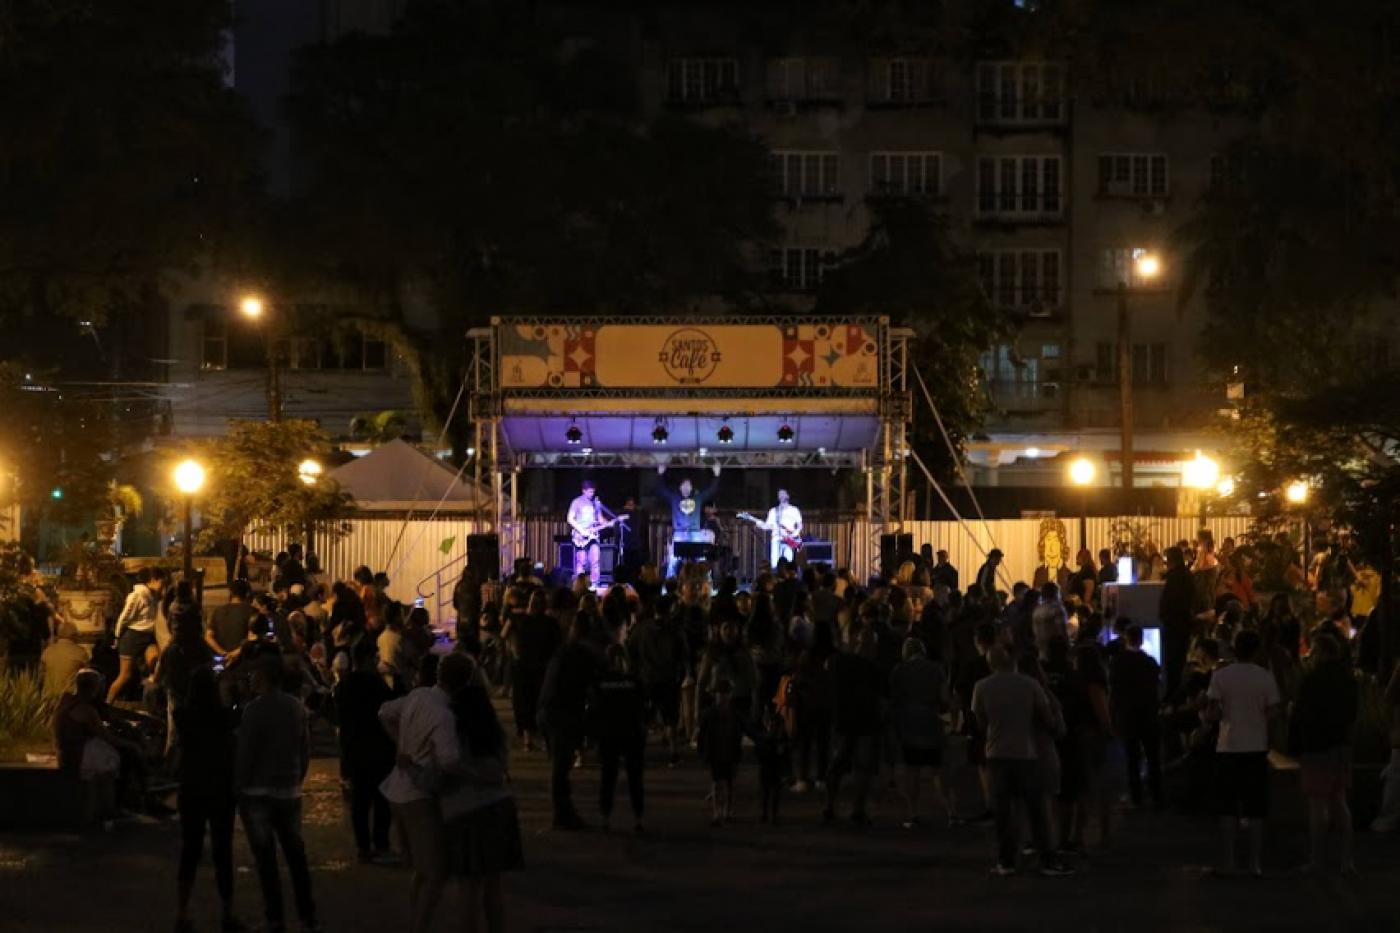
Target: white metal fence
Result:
[[430, 552], [1018, 537]]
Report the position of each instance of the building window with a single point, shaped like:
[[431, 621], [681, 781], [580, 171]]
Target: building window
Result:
[[797, 268], [214, 346], [806, 174], [1133, 174], [1021, 280], [1118, 266], [1226, 174], [910, 174], [1018, 185], [703, 80], [1149, 363], [903, 82], [797, 79], [1025, 93]]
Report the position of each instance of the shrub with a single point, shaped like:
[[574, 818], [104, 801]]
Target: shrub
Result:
[[26, 715]]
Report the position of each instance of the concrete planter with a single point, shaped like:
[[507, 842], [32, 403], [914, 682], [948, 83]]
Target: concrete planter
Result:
[[88, 610]]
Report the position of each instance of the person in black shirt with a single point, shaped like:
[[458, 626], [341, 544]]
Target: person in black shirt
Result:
[[618, 722], [858, 687], [944, 573], [1133, 680], [205, 736], [366, 751], [563, 699], [533, 637], [987, 575], [1177, 618]]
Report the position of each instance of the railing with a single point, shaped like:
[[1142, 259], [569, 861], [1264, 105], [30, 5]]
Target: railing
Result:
[[452, 569]]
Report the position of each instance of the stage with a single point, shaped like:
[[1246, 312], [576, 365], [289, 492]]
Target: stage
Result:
[[590, 395]]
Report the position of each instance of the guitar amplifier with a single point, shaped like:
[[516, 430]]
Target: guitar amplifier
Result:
[[608, 558], [819, 552]]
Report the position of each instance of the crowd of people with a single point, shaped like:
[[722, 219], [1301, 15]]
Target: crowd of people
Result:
[[827, 683]]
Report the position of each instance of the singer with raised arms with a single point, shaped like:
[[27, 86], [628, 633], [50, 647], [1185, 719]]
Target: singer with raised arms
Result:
[[687, 511]]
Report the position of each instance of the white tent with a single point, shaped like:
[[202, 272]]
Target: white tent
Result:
[[397, 477]]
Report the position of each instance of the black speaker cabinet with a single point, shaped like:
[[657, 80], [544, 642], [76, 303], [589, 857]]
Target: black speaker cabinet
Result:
[[484, 556]]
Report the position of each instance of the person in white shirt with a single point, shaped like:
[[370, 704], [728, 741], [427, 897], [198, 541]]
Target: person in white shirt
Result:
[[1242, 697], [784, 521], [136, 626], [424, 731], [585, 515]]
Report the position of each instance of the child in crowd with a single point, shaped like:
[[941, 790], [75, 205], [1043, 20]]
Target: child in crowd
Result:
[[719, 741]]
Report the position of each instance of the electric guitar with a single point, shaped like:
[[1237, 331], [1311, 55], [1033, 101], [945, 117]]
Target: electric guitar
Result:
[[584, 538], [787, 535]]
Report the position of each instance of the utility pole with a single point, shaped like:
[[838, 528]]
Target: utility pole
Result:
[[1125, 393]]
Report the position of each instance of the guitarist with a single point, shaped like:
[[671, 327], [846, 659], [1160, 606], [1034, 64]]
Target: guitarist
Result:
[[784, 523], [586, 522]]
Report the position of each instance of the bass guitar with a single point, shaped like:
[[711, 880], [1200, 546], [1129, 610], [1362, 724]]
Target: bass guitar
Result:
[[589, 536], [787, 535]]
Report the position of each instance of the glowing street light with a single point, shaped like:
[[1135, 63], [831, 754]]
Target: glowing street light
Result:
[[1296, 492], [1082, 471], [1225, 488], [1147, 265], [309, 471], [1081, 474], [189, 479], [1201, 472], [251, 307]]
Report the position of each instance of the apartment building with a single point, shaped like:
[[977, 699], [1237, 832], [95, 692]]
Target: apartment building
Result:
[[1056, 187]]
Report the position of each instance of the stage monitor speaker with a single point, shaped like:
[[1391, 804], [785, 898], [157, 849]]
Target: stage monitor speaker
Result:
[[564, 554], [819, 552], [484, 556], [893, 550]]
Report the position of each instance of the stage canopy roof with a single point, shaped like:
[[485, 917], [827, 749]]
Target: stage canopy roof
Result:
[[779, 391]]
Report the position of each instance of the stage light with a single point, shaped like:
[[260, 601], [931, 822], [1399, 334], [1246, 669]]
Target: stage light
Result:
[[659, 434], [573, 435], [704, 451], [725, 434], [786, 434]]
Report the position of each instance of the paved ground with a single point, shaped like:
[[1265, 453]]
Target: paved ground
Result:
[[684, 876]]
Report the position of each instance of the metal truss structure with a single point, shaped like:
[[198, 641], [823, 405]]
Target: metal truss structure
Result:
[[884, 464]]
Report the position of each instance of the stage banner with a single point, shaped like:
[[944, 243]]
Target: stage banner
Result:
[[830, 354]]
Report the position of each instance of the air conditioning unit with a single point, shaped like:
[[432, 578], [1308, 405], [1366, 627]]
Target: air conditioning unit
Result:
[[1050, 390], [1084, 373], [1039, 309], [1155, 207]]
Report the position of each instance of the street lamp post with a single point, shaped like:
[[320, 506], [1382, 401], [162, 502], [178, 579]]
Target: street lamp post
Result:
[[1201, 474], [1081, 474], [189, 479], [1296, 494], [1145, 267], [254, 309], [309, 472]]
